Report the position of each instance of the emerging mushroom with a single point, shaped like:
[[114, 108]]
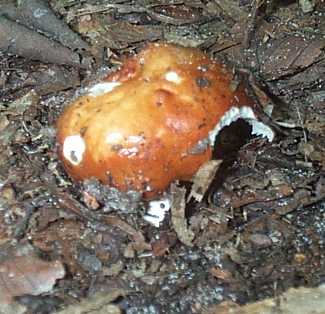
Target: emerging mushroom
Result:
[[153, 121]]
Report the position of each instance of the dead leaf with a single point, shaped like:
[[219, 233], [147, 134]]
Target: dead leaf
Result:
[[23, 272], [99, 303], [49, 239], [298, 301], [291, 54], [184, 234], [22, 104], [140, 243], [203, 178], [222, 274], [176, 14], [161, 246]]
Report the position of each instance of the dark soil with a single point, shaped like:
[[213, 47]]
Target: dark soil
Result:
[[261, 227]]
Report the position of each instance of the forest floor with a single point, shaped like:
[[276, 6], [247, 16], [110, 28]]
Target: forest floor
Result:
[[259, 230]]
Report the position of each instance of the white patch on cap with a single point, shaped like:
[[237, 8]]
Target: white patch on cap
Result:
[[128, 152], [173, 77], [102, 88], [114, 138], [74, 147], [157, 211], [246, 113], [135, 139]]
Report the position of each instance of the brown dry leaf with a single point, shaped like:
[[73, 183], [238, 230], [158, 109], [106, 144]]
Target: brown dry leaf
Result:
[[52, 78], [140, 243], [97, 304], [316, 124], [161, 246], [90, 200], [117, 34], [222, 274], [230, 10], [66, 240], [21, 105], [176, 14], [291, 54], [184, 234], [203, 178], [23, 272], [128, 33], [294, 301]]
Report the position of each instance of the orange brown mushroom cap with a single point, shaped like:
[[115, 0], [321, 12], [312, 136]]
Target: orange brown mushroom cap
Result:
[[149, 123]]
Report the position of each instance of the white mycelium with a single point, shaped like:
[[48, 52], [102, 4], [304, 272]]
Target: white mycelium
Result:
[[157, 211], [73, 149], [102, 88], [246, 113]]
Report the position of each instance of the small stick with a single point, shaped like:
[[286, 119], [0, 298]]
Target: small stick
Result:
[[37, 15], [19, 40]]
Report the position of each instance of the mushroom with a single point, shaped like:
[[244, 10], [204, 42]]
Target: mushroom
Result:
[[153, 121]]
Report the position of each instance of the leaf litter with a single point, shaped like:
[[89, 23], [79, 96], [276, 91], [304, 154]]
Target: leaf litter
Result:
[[254, 231]]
